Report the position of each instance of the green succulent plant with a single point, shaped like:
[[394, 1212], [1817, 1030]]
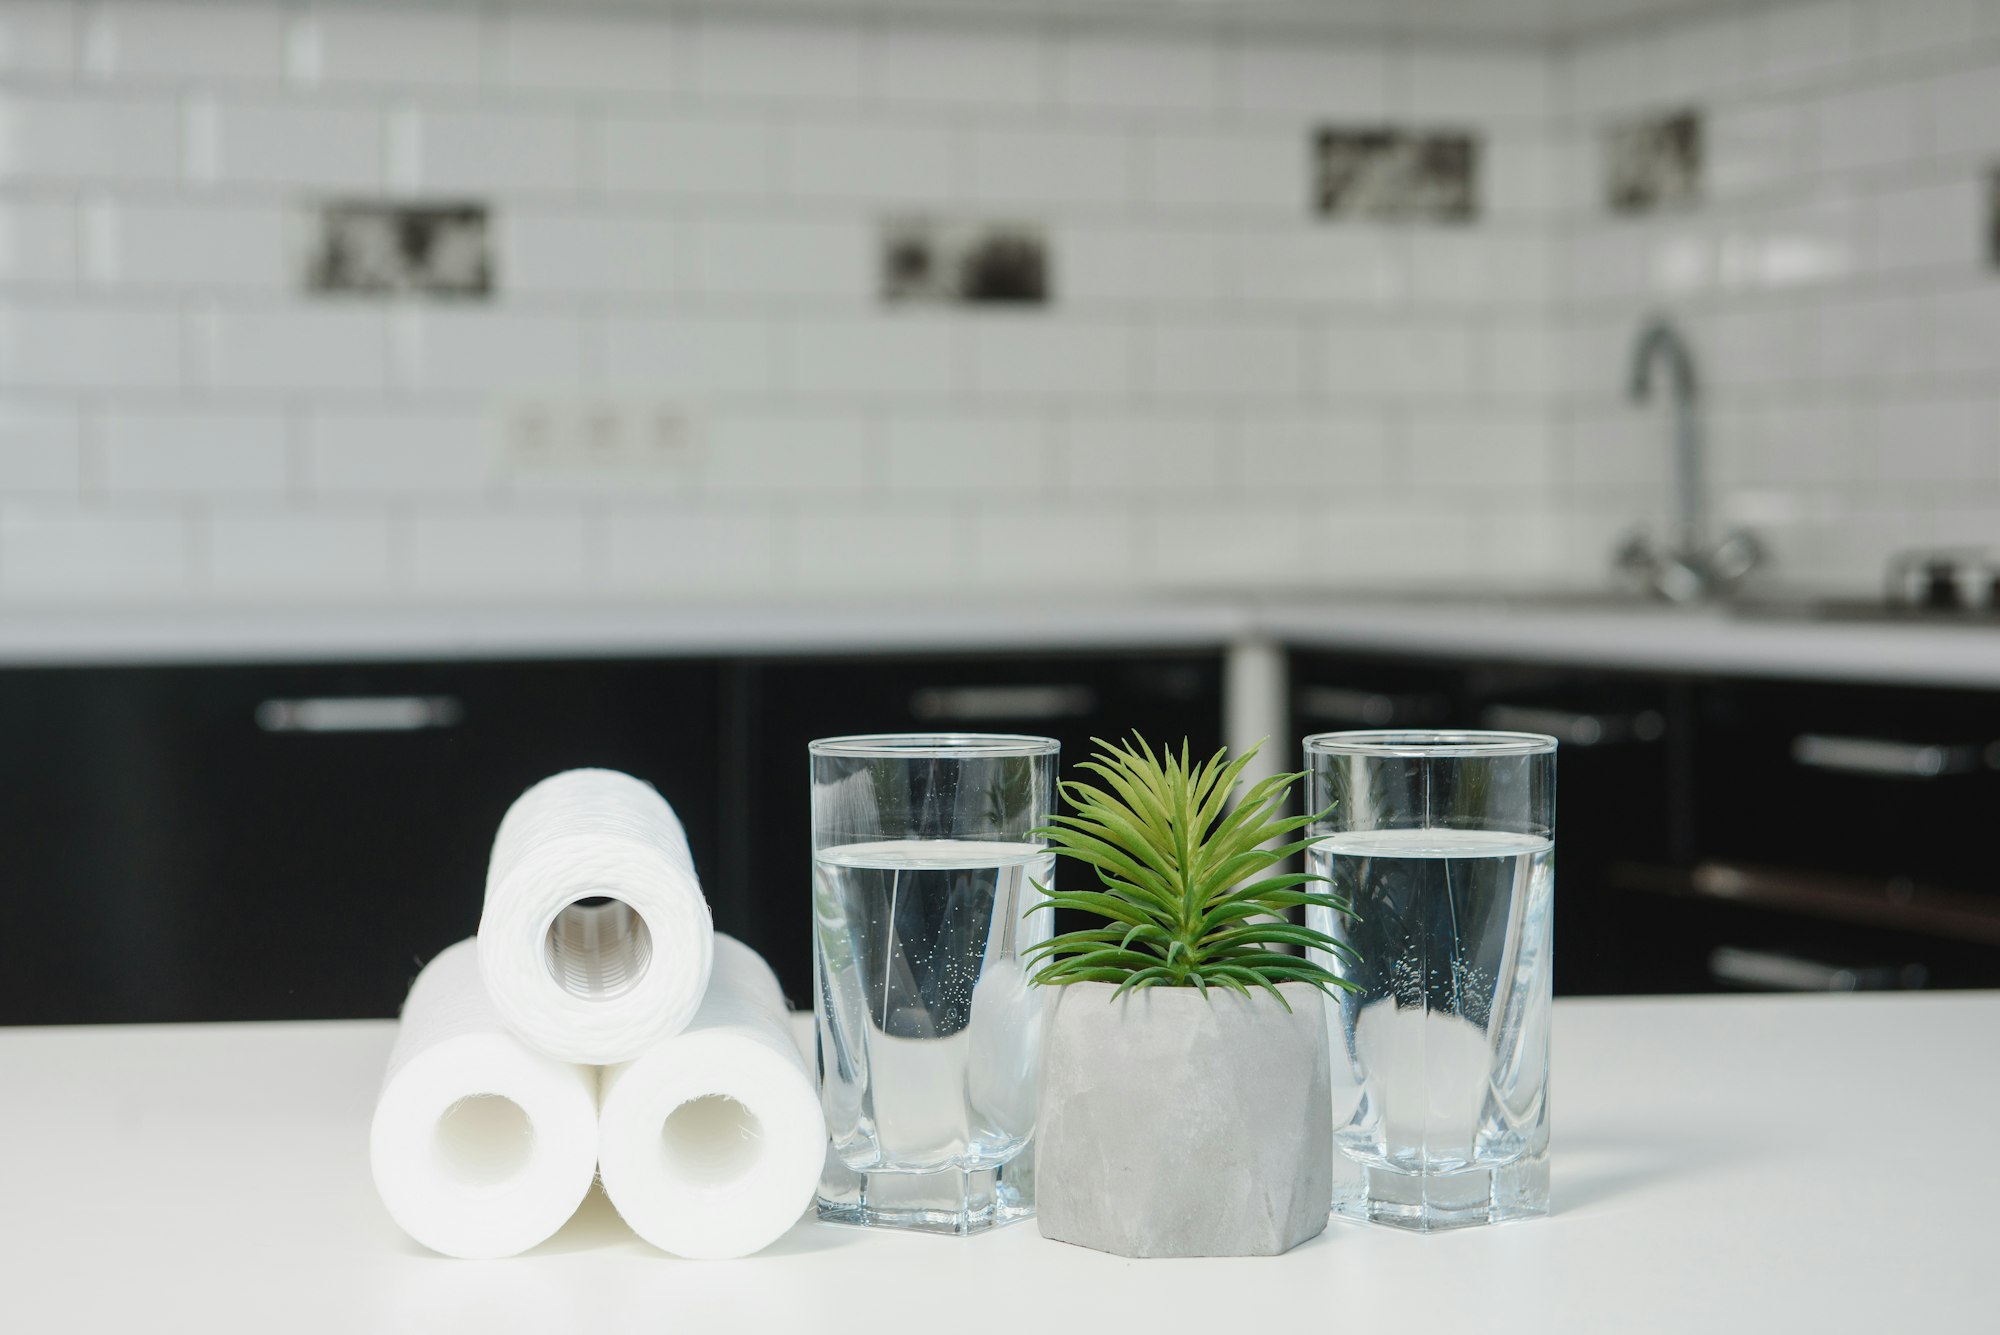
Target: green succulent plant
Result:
[[1182, 890]]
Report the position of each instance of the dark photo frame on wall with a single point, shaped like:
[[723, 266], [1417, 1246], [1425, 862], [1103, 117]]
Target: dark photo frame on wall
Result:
[[1391, 174]]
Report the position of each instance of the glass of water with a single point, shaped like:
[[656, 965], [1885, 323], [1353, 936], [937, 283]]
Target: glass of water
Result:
[[924, 867], [1443, 842]]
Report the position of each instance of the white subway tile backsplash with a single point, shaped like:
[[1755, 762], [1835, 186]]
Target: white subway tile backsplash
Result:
[[1871, 126], [1339, 81], [77, 346], [192, 246], [778, 60], [703, 552], [980, 66], [871, 162], [880, 550], [401, 451], [1226, 359], [1964, 111], [285, 553], [1348, 266], [1458, 267], [594, 251], [1037, 358], [1708, 56], [1447, 83], [961, 455], [686, 221], [1315, 455], [155, 40], [698, 357], [492, 150], [1811, 444], [895, 357], [339, 45], [1402, 360], [1614, 75], [1491, 451], [1042, 168], [1941, 225], [1813, 243], [1941, 440], [685, 155], [38, 242], [38, 37], [1121, 72], [191, 453], [324, 147], [1964, 329], [48, 135], [118, 554], [1124, 263], [1101, 455], [1519, 360], [1083, 548], [1874, 338], [291, 348], [1753, 146], [498, 552], [446, 348], [758, 255], [1525, 172], [1235, 171], [1803, 41], [41, 451], [1227, 545], [771, 452], [1908, 27], [590, 54]]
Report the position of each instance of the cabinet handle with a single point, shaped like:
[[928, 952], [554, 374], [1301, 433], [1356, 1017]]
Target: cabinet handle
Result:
[[1792, 973], [1893, 904], [1347, 704], [972, 704], [1881, 756], [360, 713], [1575, 729]]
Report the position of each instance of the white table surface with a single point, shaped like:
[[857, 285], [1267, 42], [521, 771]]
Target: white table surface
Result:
[[1780, 1164]]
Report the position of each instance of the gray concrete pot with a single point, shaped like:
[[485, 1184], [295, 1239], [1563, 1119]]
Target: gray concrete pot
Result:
[[1172, 1124]]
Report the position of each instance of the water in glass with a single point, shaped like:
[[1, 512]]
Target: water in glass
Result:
[[928, 1030], [1440, 1059]]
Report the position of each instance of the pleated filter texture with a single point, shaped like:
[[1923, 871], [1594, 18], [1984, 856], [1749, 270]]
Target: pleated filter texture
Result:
[[595, 941], [480, 1146], [711, 1143]]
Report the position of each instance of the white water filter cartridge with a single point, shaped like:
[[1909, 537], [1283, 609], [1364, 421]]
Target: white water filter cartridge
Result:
[[480, 1146], [710, 1144]]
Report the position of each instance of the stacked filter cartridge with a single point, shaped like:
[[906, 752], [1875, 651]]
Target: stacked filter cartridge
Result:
[[597, 1026]]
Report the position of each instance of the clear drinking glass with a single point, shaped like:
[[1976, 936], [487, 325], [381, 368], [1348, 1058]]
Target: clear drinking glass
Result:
[[924, 866], [1444, 844]]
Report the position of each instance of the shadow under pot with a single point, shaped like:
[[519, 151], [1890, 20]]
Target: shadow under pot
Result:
[[1176, 1124]]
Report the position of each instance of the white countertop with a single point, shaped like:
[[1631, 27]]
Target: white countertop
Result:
[[1578, 631], [1768, 1165]]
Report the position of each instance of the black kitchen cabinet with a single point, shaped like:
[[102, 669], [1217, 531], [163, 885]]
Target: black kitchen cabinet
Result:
[[778, 706], [292, 842], [289, 841], [1840, 839], [1718, 835]]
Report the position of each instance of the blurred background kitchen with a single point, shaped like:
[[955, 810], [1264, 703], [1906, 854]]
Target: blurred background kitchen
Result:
[[399, 402]]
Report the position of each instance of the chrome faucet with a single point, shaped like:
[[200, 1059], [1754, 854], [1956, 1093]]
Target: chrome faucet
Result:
[[1688, 567]]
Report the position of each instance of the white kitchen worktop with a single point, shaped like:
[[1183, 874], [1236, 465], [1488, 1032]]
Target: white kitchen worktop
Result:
[[1577, 631], [1768, 1164]]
